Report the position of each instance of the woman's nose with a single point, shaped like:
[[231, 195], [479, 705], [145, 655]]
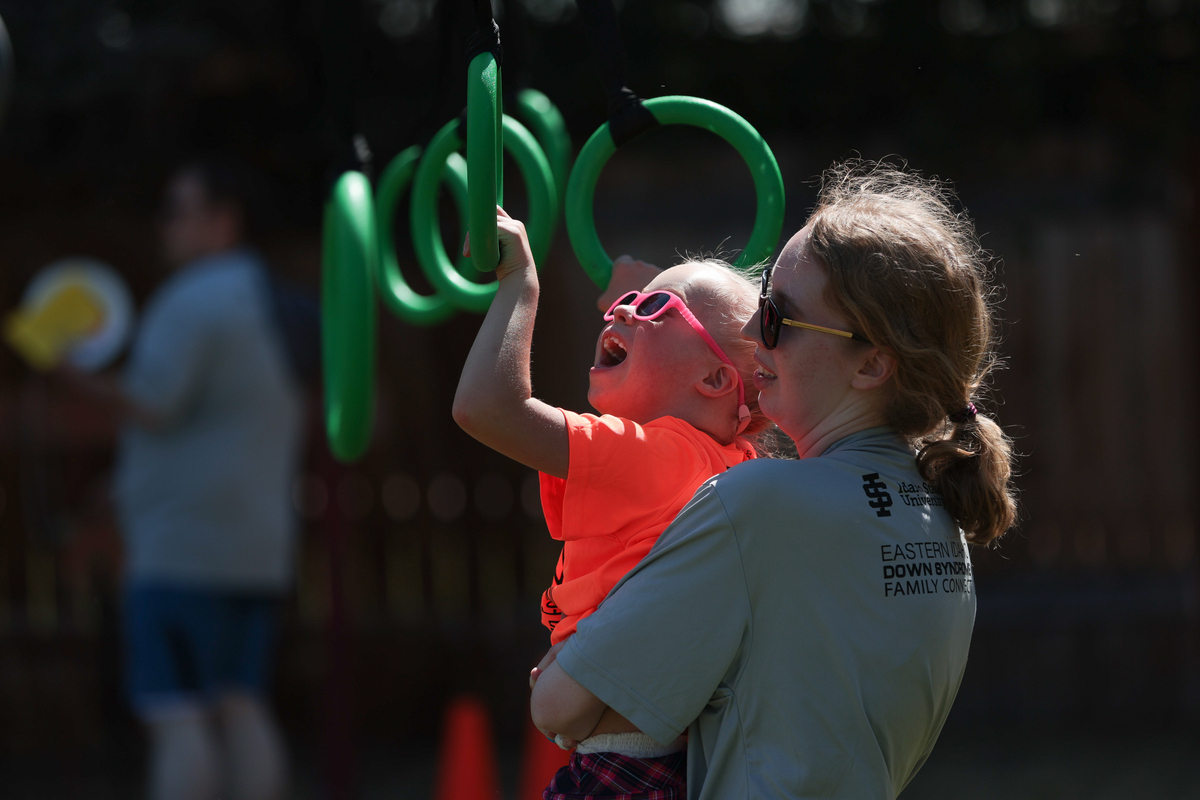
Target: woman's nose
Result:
[[753, 328]]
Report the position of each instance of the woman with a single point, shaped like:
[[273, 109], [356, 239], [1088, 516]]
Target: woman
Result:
[[807, 622]]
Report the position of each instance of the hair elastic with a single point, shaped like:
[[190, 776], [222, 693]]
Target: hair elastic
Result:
[[965, 415]]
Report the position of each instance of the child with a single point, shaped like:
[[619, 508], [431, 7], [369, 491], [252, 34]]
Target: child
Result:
[[674, 414]]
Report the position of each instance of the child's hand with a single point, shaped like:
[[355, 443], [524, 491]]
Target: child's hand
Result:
[[628, 275], [515, 255]]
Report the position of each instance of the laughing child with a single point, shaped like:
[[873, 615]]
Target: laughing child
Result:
[[669, 380]]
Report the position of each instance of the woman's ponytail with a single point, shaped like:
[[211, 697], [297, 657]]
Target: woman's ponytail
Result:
[[907, 271], [971, 468]]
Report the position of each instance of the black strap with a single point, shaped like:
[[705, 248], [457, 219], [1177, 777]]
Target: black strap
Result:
[[517, 37], [340, 57], [604, 39], [627, 117], [6, 70], [486, 38]]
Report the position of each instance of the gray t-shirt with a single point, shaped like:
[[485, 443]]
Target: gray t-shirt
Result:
[[207, 499], [806, 621]]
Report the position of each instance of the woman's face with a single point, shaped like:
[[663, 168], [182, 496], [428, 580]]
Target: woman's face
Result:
[[804, 384]]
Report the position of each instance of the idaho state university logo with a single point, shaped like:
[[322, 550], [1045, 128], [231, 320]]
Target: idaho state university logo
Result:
[[877, 494]]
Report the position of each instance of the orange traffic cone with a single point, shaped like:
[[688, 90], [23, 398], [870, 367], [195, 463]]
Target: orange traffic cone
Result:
[[467, 768], [541, 758]]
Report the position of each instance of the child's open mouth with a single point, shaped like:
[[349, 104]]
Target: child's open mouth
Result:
[[612, 352]]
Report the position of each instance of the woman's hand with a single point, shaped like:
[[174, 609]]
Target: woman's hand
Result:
[[560, 705], [564, 742], [515, 255], [546, 661]]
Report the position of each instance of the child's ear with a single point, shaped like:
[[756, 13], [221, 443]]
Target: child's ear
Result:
[[718, 382], [875, 369]]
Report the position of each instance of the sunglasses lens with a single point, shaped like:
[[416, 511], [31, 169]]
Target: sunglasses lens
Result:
[[623, 300], [653, 304], [768, 322]]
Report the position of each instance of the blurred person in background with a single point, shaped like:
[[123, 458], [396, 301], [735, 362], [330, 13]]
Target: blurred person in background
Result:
[[208, 453]]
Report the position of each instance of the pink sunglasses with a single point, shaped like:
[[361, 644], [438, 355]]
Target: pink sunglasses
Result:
[[652, 305]]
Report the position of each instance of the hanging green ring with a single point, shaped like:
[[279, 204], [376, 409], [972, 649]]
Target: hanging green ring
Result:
[[546, 123], [676, 110], [348, 319], [397, 295], [539, 186], [431, 254], [485, 162], [455, 176]]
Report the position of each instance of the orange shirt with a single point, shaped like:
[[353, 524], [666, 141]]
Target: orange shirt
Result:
[[625, 483]]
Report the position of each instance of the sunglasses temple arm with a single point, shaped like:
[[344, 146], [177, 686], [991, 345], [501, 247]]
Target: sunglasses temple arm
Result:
[[716, 348]]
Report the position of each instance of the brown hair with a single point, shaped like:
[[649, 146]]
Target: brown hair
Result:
[[907, 271]]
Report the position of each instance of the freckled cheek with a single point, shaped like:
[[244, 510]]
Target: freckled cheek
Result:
[[801, 381], [794, 370]]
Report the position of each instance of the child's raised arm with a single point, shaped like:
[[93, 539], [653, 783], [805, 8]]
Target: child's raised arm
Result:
[[494, 402]]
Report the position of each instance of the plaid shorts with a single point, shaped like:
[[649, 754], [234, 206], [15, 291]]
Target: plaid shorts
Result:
[[613, 776]]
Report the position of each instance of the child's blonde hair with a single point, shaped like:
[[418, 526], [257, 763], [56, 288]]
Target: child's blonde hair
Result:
[[731, 303]]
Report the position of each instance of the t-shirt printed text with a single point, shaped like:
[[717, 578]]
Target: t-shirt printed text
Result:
[[925, 568]]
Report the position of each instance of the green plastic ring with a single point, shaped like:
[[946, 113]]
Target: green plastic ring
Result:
[[431, 254], [539, 186], [485, 162], [546, 123], [676, 110], [397, 295], [455, 176], [348, 318]]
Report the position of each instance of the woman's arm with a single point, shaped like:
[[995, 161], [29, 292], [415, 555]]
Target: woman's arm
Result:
[[559, 704], [665, 638], [563, 701], [494, 402]]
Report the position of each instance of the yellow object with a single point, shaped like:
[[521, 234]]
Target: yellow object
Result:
[[42, 334]]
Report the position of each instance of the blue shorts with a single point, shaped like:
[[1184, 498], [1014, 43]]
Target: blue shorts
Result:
[[186, 647]]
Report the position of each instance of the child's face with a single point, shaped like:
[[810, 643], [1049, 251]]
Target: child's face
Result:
[[645, 369]]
